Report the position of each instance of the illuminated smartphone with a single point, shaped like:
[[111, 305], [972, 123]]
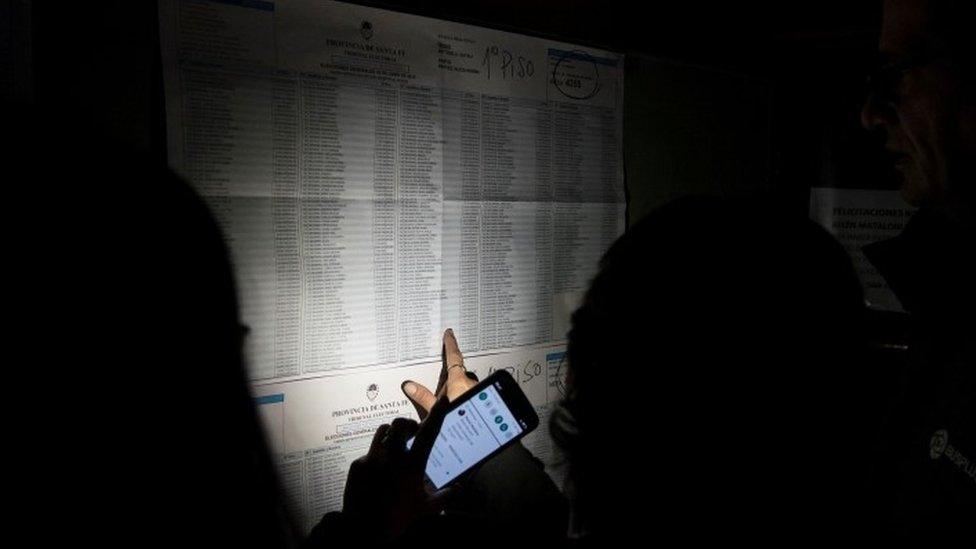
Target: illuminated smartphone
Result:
[[491, 416]]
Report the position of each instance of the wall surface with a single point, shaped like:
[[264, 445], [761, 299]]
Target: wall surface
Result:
[[692, 131]]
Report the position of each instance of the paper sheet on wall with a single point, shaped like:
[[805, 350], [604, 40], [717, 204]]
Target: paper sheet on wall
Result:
[[380, 177], [858, 217]]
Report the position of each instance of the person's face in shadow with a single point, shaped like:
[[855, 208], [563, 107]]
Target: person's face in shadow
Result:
[[917, 99]]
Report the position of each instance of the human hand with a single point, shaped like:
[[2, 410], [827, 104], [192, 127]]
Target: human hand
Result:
[[385, 489], [453, 382]]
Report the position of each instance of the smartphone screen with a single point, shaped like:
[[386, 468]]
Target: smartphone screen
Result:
[[471, 432]]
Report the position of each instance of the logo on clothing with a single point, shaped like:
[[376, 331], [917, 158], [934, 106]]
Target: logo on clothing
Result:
[[366, 29], [937, 446], [372, 391]]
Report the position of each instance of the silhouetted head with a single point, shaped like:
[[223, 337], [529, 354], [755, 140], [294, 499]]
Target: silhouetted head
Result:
[[712, 376], [143, 423]]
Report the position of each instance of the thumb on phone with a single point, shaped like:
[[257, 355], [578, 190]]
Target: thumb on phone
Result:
[[429, 431]]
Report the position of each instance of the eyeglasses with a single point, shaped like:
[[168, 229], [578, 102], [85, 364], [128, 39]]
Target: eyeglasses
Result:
[[882, 83]]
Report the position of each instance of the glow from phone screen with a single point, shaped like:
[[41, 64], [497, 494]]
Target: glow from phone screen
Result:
[[470, 432]]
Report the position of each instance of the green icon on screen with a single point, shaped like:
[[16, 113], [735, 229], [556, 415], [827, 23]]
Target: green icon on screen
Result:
[[498, 419], [503, 427], [483, 396]]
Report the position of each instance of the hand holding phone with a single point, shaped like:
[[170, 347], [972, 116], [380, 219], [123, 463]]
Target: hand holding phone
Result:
[[472, 434], [385, 490], [482, 422], [409, 468]]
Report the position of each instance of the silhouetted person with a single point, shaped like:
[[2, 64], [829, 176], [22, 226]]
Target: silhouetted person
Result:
[[714, 390], [138, 425], [923, 99]]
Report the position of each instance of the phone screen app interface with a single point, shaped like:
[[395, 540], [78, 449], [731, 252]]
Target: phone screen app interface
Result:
[[470, 432]]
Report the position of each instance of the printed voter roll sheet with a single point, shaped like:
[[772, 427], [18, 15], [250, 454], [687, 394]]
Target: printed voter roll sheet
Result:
[[380, 177]]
